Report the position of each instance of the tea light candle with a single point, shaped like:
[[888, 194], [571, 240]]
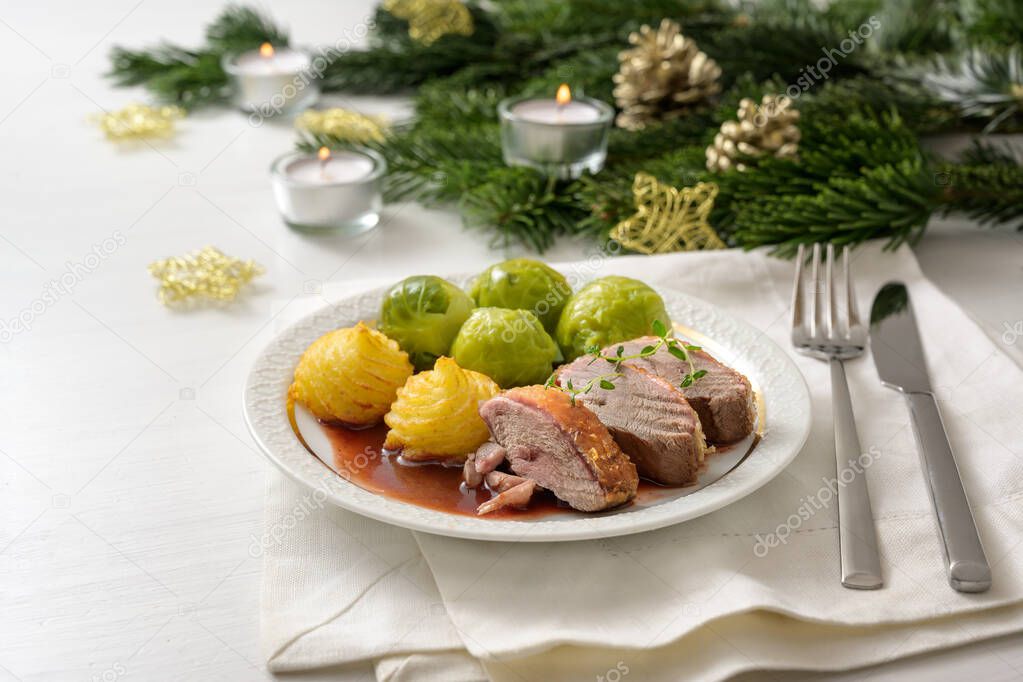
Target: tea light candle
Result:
[[329, 191], [561, 136], [271, 81]]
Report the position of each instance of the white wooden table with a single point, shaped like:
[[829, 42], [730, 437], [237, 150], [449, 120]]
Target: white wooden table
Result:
[[130, 488]]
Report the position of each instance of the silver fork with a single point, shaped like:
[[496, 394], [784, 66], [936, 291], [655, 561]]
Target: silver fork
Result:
[[838, 337]]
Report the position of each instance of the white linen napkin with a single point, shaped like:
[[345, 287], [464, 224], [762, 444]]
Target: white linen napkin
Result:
[[703, 599]]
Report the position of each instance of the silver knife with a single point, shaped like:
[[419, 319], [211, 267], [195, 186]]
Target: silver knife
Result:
[[900, 361], [315, 439]]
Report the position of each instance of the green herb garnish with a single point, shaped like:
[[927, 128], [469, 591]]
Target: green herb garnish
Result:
[[606, 381]]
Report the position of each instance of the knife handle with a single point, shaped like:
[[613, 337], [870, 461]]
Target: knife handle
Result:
[[968, 570]]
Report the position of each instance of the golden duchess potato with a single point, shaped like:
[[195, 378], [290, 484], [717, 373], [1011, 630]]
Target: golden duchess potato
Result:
[[350, 375], [436, 415]]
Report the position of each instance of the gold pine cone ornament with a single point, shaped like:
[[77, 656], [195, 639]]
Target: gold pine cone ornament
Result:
[[436, 415], [663, 75], [350, 375], [762, 130]]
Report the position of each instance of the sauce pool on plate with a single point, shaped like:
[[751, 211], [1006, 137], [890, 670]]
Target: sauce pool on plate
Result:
[[359, 457]]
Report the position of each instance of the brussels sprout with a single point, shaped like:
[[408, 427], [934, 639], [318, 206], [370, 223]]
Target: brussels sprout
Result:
[[524, 284], [606, 311], [509, 346], [423, 314]]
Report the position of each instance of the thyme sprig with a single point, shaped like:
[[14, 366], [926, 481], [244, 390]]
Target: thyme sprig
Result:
[[665, 339], [604, 381]]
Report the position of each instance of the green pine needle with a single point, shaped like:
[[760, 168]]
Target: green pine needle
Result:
[[195, 78], [861, 172]]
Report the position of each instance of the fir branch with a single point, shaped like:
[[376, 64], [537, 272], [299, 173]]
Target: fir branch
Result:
[[861, 172], [917, 27], [567, 18], [982, 85], [785, 46], [987, 185], [890, 201], [633, 149], [588, 73], [447, 102], [431, 165], [240, 28], [172, 75], [394, 62], [859, 176], [994, 23], [918, 108], [522, 207], [195, 78]]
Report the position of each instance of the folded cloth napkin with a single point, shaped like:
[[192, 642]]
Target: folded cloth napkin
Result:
[[752, 586]]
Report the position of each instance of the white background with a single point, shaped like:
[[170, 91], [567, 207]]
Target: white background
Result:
[[130, 488]]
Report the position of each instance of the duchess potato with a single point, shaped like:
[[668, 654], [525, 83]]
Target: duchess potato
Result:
[[350, 375], [436, 414]]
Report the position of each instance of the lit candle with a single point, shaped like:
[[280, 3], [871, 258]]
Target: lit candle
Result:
[[562, 110], [561, 136], [271, 81], [330, 191]]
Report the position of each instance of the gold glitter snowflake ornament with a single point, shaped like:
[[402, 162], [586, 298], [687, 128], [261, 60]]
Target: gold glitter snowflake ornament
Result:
[[342, 124], [669, 219], [139, 122], [430, 20], [207, 274]]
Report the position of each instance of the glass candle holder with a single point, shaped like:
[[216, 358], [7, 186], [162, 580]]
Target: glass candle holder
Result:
[[335, 192], [271, 82], [561, 138]]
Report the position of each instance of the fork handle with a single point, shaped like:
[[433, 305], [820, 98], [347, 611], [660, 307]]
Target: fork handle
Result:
[[968, 569], [861, 565]]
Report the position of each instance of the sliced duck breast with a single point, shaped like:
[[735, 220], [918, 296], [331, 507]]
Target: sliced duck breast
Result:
[[562, 446], [648, 417], [723, 398]]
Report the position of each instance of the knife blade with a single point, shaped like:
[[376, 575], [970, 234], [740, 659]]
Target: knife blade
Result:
[[315, 439], [899, 357]]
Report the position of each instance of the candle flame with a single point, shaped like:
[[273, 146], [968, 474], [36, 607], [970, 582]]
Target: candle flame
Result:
[[564, 95], [266, 50], [324, 153]]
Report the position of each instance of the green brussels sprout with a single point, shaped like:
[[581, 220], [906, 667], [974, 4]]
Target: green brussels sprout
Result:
[[606, 311], [509, 346], [423, 314], [525, 284]]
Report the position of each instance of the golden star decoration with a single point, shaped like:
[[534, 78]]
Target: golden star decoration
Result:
[[207, 274], [139, 121], [342, 124], [430, 20], [669, 219]]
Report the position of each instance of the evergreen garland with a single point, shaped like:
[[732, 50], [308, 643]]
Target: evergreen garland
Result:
[[931, 67], [195, 78]]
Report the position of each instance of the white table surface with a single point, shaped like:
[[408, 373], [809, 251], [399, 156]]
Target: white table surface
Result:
[[130, 488]]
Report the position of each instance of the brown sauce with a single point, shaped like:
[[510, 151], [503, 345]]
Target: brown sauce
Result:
[[359, 457]]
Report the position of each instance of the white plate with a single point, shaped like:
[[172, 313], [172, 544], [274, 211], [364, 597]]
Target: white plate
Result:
[[782, 393]]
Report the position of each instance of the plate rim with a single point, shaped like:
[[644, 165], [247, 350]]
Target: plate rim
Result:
[[263, 419]]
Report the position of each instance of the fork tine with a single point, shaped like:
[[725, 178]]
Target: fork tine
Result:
[[797, 289], [852, 310], [815, 269], [830, 308]]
